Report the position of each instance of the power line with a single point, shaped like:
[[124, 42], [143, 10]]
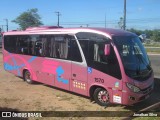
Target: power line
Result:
[[113, 21], [130, 22], [105, 20]]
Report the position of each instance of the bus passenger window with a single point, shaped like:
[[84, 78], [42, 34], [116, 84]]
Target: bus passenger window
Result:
[[84, 46], [56, 46], [60, 47], [35, 45], [48, 46], [75, 52], [93, 48], [10, 43], [42, 47], [22, 45]]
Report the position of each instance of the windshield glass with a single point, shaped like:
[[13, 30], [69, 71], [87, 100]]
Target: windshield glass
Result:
[[0, 41], [133, 55], [0, 38]]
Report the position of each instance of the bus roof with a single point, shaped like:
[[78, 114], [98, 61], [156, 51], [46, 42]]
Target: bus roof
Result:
[[59, 30]]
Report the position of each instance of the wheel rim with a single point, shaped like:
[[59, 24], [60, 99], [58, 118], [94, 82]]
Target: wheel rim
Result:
[[27, 77], [103, 96]]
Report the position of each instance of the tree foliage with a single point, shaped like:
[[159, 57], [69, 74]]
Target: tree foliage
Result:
[[151, 34], [30, 18], [156, 35], [138, 32]]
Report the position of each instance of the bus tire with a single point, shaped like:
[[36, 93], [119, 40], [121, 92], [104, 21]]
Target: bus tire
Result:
[[27, 77], [101, 96]]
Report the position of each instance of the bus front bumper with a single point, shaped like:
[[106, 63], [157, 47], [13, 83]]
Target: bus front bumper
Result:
[[132, 98]]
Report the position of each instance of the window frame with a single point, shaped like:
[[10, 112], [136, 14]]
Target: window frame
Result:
[[101, 65], [34, 38]]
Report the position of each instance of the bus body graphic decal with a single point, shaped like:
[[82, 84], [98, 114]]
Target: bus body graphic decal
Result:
[[59, 72], [10, 67]]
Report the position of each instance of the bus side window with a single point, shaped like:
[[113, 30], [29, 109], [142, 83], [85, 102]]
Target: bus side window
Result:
[[30, 47], [10, 43], [22, 45], [84, 45], [75, 52], [54, 46], [59, 47], [35, 45], [42, 45], [93, 46], [48, 46]]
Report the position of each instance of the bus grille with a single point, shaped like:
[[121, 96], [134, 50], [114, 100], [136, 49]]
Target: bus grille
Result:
[[146, 90]]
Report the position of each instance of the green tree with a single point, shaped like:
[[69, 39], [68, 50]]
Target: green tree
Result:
[[138, 32], [30, 18], [149, 33], [156, 35]]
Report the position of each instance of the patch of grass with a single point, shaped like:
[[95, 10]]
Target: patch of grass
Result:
[[152, 50], [152, 45], [63, 97], [66, 98]]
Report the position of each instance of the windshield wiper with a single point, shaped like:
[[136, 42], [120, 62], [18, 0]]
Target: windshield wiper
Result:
[[142, 59], [138, 63]]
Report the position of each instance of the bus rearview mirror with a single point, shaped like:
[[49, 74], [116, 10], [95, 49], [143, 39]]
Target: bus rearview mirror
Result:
[[107, 49]]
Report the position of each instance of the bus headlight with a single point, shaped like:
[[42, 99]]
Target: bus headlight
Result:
[[133, 88]]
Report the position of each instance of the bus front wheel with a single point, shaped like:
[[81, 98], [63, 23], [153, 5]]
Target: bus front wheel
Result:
[[101, 96], [27, 77]]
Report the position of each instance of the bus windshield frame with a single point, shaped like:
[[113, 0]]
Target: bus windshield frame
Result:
[[134, 57]]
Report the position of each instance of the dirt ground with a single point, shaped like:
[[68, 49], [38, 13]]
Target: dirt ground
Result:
[[15, 94]]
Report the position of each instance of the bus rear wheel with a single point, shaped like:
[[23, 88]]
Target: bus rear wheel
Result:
[[101, 96], [27, 77]]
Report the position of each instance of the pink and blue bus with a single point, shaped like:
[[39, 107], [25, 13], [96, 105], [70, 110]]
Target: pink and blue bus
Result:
[[107, 65]]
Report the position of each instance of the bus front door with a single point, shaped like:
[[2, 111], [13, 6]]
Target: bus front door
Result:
[[79, 78]]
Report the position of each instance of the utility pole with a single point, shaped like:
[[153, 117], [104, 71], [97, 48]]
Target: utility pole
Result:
[[124, 20], [58, 14], [105, 20], [6, 23]]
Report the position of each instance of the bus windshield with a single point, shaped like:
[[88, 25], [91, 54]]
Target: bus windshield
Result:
[[135, 60]]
